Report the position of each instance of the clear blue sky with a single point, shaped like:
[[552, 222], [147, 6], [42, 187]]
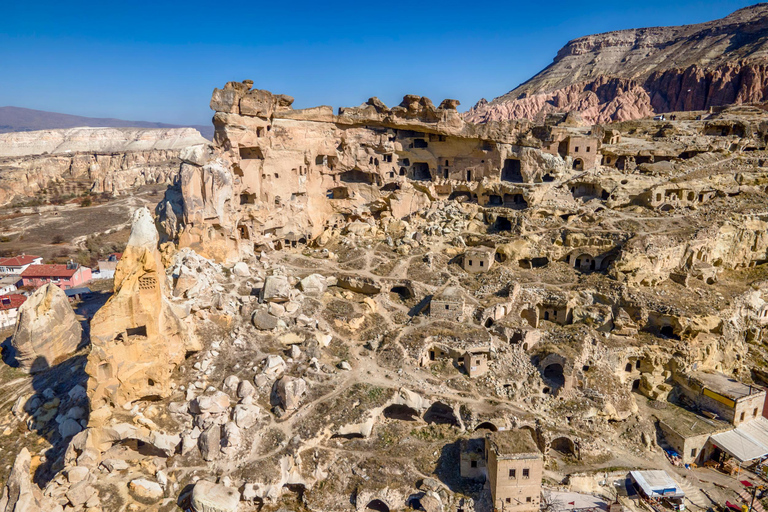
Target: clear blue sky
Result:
[[159, 61]]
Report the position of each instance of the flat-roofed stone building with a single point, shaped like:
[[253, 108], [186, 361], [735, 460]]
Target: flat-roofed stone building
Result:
[[515, 467]]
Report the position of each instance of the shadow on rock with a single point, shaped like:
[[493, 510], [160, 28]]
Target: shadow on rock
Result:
[[56, 411]]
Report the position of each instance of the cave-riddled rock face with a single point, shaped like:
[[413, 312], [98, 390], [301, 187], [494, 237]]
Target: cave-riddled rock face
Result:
[[137, 339]]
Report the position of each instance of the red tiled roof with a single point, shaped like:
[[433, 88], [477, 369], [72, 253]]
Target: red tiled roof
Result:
[[17, 261], [49, 271], [11, 301]]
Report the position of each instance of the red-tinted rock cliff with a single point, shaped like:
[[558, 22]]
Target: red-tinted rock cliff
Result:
[[633, 73]]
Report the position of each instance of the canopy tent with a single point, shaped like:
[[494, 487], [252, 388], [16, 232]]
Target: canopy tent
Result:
[[656, 484], [746, 442]]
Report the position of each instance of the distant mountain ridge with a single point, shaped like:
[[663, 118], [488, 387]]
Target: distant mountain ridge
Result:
[[18, 119], [628, 74]]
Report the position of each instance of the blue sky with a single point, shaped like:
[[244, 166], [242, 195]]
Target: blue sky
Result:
[[159, 61]]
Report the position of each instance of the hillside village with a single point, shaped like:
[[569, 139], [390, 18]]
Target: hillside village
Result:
[[393, 308]]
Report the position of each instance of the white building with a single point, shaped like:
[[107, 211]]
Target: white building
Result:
[[9, 309], [15, 265]]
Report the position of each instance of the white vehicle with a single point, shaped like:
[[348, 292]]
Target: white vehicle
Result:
[[661, 117]]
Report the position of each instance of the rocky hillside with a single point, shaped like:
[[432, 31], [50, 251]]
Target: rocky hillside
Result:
[[17, 119], [630, 74], [60, 162]]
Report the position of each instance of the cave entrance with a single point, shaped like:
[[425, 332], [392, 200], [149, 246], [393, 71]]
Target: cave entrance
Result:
[[401, 412], [377, 506], [441, 414], [502, 224], [494, 200], [421, 171], [356, 176], [553, 373], [403, 291], [512, 171], [487, 425], [564, 446], [516, 201], [669, 332]]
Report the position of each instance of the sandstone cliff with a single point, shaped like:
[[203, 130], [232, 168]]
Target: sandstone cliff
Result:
[[630, 74], [74, 160]]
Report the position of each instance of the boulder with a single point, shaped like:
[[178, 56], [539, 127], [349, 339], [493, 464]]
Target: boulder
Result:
[[210, 497], [143, 488], [275, 289], [209, 442], [241, 269], [47, 330], [274, 365], [313, 285], [289, 391], [261, 319], [364, 285]]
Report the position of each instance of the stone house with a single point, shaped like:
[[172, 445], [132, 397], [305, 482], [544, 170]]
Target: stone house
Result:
[[448, 304], [515, 468], [472, 463], [687, 433], [474, 361], [478, 259], [731, 400]]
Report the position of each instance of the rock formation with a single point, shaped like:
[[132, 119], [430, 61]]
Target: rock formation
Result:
[[137, 338], [44, 164], [629, 74], [19, 494], [47, 330]]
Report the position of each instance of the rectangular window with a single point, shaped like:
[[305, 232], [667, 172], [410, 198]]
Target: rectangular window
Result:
[[509, 500], [528, 499], [587, 149], [512, 473], [526, 473], [741, 418], [577, 149], [473, 464], [754, 413], [693, 452]]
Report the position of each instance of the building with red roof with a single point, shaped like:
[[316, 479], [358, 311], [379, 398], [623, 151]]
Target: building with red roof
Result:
[[9, 309], [18, 264], [65, 277]]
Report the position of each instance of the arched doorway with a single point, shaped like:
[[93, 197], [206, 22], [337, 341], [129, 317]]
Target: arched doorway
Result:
[[578, 164], [553, 374], [564, 446], [487, 425]]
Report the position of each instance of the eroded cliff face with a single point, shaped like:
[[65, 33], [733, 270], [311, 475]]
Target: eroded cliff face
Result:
[[49, 163], [281, 176], [137, 337], [631, 74]]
